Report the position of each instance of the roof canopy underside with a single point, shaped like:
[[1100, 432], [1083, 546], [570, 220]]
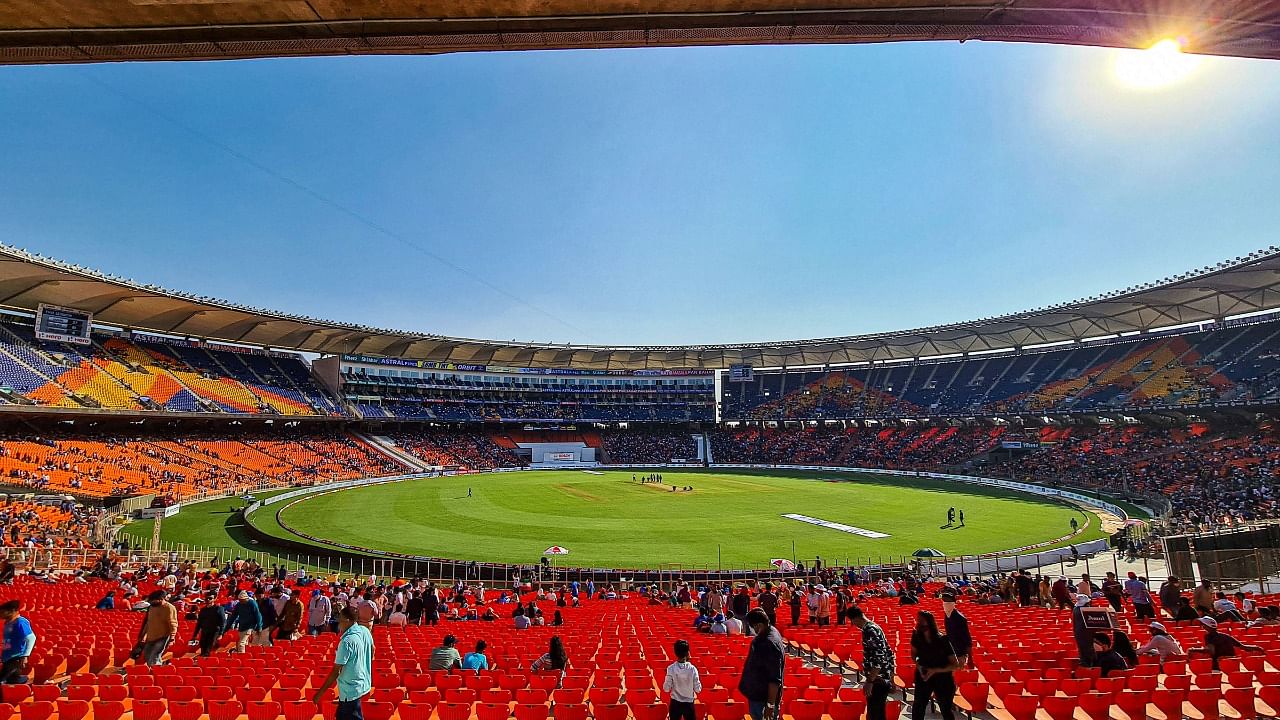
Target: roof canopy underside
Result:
[[1245, 285], [79, 31]]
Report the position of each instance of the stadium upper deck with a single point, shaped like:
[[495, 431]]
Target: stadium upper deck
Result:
[[1244, 285], [1190, 341], [1235, 363]]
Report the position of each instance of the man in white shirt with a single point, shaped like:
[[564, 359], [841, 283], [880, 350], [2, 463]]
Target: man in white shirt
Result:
[[278, 600], [733, 624], [1161, 643], [683, 683], [1248, 608], [319, 610], [398, 618], [1225, 608]]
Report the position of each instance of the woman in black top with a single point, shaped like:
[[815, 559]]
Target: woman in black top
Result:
[[1124, 648], [1106, 657], [935, 661], [1185, 611]]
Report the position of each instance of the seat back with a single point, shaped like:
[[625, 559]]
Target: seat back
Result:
[[107, 709], [1242, 701], [1059, 708], [1206, 701], [1022, 707]]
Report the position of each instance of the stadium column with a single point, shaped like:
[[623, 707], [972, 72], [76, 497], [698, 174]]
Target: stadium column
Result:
[[155, 533]]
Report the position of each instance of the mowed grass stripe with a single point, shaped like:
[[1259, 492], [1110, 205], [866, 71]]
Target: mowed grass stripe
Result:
[[607, 520]]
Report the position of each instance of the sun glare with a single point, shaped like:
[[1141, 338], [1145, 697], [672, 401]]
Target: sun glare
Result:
[[1159, 66]]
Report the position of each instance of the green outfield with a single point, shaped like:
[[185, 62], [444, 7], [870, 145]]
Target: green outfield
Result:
[[733, 520], [210, 524]]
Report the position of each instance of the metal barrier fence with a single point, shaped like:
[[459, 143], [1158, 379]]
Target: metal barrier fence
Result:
[[1227, 571], [1096, 565], [1253, 568]]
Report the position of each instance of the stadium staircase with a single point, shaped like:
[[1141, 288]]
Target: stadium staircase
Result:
[[1250, 353], [1169, 373], [55, 394], [227, 387], [180, 454], [145, 385], [850, 445], [982, 400], [315, 394], [388, 448], [148, 376], [1063, 391], [1111, 374]]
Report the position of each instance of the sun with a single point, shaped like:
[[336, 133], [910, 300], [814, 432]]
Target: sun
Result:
[[1159, 66]]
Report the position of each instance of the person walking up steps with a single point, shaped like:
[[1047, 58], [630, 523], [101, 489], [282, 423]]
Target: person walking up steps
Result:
[[19, 641], [763, 670], [878, 663], [352, 667], [683, 683], [936, 660]]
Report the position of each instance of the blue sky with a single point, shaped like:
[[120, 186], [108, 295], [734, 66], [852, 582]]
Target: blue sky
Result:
[[643, 196]]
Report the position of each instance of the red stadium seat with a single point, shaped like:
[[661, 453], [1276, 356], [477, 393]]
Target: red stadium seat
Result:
[[414, 711], [454, 711], [300, 710], [1021, 707], [531, 711], [263, 710], [72, 709], [108, 709], [571, 712], [221, 709], [1242, 701], [37, 710], [493, 711], [610, 712], [149, 709], [375, 710]]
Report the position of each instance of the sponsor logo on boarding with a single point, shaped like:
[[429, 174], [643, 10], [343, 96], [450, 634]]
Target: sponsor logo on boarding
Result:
[[836, 526]]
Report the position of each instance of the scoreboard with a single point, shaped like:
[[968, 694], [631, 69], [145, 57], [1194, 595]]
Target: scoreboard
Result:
[[741, 373], [61, 324]]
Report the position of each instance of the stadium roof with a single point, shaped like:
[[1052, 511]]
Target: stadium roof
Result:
[[1241, 286], [55, 31]]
